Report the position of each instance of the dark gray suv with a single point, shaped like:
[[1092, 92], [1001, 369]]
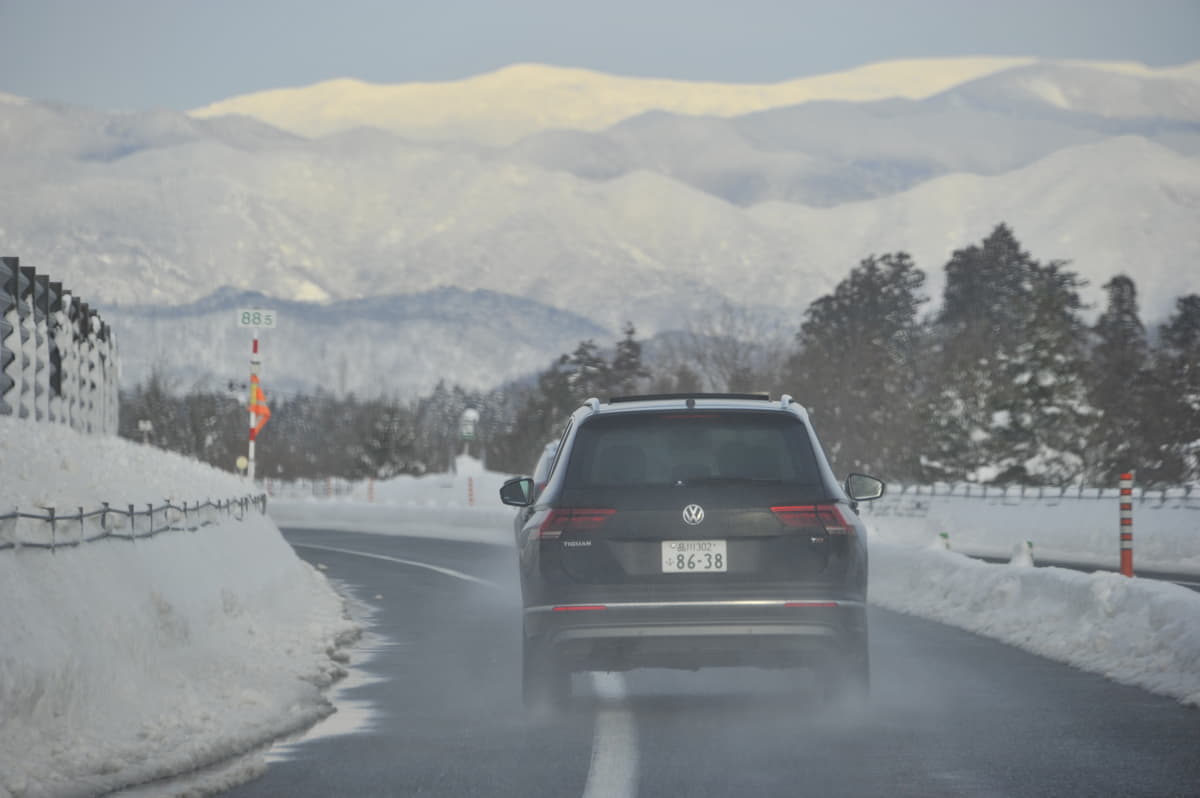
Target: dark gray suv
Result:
[[691, 531]]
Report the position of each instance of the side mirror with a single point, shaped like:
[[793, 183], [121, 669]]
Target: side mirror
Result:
[[862, 488], [517, 492]]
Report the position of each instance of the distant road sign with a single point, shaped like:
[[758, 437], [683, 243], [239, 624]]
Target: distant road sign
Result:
[[254, 317]]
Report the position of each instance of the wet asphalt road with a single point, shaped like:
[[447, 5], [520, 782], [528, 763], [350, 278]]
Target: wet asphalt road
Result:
[[952, 714]]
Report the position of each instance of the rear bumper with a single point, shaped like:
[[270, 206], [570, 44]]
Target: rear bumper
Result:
[[690, 635]]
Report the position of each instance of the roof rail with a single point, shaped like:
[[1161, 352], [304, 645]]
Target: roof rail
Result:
[[785, 400], [667, 396], [593, 403]]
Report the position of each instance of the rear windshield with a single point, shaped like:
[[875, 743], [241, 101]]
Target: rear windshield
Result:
[[691, 447]]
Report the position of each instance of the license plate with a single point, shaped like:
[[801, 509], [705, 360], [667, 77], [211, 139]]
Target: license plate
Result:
[[694, 556]]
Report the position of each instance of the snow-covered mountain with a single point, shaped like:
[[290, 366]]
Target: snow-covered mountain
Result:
[[1165, 96], [1121, 205], [656, 219], [396, 345], [165, 225], [500, 107], [830, 152]]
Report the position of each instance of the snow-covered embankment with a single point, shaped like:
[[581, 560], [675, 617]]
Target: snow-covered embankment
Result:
[[122, 662], [1134, 631]]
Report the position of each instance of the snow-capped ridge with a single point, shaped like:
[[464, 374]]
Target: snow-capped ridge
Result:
[[501, 106], [1109, 94]]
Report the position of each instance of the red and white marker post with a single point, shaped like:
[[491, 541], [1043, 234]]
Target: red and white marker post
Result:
[[1127, 524], [254, 364], [259, 412]]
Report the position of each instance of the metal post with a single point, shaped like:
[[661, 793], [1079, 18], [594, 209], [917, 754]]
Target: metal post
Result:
[[254, 364], [1127, 524]]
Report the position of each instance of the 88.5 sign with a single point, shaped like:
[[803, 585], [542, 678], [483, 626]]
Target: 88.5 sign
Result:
[[256, 317]]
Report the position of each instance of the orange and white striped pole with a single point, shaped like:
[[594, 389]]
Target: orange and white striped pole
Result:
[[259, 412], [254, 363], [1127, 524]]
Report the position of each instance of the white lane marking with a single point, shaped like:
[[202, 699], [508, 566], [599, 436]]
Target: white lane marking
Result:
[[436, 568], [613, 771]]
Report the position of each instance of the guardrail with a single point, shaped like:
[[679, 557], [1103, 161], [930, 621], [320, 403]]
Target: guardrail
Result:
[[52, 531], [327, 488], [58, 358], [1187, 494]]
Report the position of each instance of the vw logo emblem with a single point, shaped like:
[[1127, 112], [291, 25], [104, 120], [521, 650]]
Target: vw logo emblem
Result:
[[693, 514]]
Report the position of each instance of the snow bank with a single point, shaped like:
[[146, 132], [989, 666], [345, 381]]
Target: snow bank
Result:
[[124, 662], [465, 505], [1133, 631], [1166, 527]]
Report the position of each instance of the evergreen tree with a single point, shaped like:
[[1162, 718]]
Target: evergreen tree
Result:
[[1176, 409], [587, 372], [543, 409], [438, 425], [974, 335], [1039, 434], [854, 366], [1003, 398], [1119, 382], [560, 390], [627, 372], [386, 440]]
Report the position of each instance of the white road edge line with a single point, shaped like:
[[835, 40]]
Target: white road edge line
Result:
[[613, 770], [435, 568]]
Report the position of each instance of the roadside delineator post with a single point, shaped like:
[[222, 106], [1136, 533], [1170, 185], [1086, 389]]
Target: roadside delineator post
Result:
[[257, 401], [470, 491], [1127, 524]]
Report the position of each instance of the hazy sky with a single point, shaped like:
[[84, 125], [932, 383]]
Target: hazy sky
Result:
[[185, 53]]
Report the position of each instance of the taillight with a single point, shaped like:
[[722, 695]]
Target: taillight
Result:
[[572, 519], [827, 516]]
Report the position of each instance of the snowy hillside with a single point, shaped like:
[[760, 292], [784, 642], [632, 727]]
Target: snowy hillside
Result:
[[1067, 87], [1097, 205], [399, 345], [165, 225], [826, 154]]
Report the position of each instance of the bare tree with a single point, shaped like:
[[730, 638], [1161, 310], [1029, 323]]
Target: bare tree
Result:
[[733, 348]]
